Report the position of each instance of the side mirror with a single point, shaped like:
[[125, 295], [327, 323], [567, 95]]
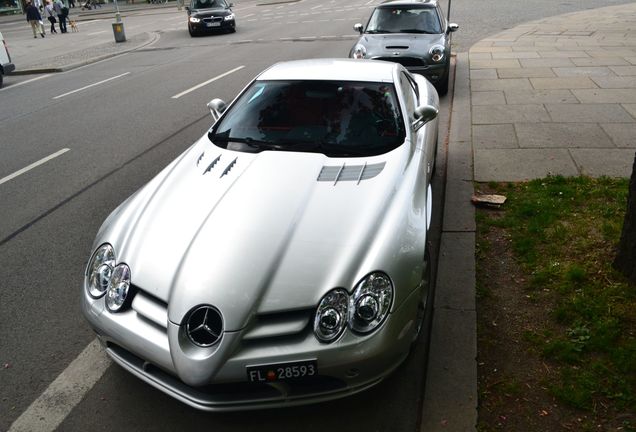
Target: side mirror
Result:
[[217, 107], [358, 27], [231, 5], [452, 27], [424, 114]]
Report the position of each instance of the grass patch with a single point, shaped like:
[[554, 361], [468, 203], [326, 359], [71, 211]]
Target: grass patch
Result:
[[563, 232]]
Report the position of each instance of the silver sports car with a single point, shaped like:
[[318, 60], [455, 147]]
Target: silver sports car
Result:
[[282, 258]]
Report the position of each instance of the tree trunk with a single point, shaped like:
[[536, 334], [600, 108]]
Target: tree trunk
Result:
[[625, 261]]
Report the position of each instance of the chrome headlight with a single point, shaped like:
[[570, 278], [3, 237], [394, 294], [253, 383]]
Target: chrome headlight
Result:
[[437, 53], [370, 302], [194, 19], [118, 288], [331, 315], [359, 52], [229, 17], [99, 270]]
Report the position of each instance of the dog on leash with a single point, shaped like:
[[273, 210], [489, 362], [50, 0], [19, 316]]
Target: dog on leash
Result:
[[73, 26]]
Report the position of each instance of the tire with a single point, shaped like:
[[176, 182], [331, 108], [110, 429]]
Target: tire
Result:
[[192, 32], [442, 85], [425, 308]]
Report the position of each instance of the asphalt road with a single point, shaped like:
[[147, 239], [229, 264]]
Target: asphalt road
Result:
[[121, 124]]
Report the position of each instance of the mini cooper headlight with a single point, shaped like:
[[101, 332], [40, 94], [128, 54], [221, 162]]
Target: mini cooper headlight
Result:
[[229, 17], [437, 53], [99, 270], [118, 288], [331, 315], [194, 19], [359, 52], [370, 302]]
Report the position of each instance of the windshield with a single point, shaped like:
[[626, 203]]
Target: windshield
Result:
[[404, 20], [208, 4], [338, 119]]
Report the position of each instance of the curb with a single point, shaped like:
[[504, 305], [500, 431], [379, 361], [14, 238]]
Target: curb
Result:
[[153, 38]]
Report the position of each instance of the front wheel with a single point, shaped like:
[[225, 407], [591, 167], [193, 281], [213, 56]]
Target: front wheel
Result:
[[192, 32], [442, 85], [425, 307]]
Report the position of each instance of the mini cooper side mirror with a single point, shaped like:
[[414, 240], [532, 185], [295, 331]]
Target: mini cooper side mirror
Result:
[[424, 114], [358, 27], [217, 108], [452, 27]]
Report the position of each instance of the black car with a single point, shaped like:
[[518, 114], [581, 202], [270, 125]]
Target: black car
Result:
[[206, 16], [414, 33]]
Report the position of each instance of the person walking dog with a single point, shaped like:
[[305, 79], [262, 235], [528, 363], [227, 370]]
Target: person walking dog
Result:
[[49, 13], [35, 19]]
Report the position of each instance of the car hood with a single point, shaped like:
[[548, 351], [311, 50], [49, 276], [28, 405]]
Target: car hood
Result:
[[252, 233], [204, 13], [404, 44]]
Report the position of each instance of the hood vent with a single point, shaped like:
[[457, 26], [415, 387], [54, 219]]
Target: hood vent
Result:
[[229, 167], [355, 173], [209, 168]]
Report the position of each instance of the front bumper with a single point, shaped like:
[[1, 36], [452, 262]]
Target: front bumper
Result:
[[434, 72], [347, 366], [204, 27]]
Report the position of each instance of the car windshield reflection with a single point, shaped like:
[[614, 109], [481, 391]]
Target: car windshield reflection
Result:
[[404, 20], [208, 4], [338, 119]]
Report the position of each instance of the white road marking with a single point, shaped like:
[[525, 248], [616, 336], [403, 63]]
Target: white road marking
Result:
[[25, 82], [369, 2], [247, 16], [33, 165], [316, 7], [91, 85], [49, 410], [198, 86], [95, 33]]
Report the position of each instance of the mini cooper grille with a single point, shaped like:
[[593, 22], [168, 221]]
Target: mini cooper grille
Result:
[[355, 173], [204, 326], [404, 61]]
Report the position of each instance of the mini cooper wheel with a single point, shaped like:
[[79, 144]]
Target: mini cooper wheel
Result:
[[442, 85]]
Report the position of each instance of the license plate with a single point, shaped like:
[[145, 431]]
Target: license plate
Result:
[[282, 371], [213, 24]]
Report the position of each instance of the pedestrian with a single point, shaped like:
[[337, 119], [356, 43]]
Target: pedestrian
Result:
[[35, 19], [49, 13], [62, 12], [72, 3]]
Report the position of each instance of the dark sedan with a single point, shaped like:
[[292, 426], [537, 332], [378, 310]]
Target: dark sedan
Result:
[[207, 16]]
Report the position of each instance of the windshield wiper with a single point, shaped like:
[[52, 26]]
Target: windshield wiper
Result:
[[251, 142], [416, 31], [378, 31]]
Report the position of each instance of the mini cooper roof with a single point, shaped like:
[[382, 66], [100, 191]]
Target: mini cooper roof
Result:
[[332, 69], [409, 3]]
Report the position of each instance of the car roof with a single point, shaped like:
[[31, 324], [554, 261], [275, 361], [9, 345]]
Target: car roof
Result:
[[332, 69], [410, 3]]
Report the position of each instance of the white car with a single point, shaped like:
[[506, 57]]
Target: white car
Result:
[[6, 66], [282, 258]]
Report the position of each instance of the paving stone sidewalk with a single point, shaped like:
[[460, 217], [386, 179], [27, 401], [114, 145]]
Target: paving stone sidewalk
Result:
[[556, 96]]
